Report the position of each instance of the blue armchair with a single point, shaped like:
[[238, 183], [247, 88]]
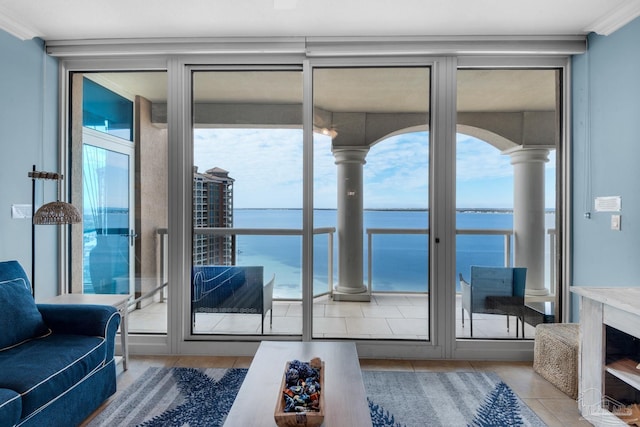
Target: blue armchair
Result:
[[490, 282]]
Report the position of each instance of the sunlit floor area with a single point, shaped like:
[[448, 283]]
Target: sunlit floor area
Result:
[[386, 316]]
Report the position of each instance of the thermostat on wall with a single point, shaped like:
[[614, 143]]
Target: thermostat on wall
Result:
[[20, 211], [608, 204]]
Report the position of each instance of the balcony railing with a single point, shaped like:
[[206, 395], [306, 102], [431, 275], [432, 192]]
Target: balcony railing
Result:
[[371, 232], [507, 255], [329, 231], [425, 231]]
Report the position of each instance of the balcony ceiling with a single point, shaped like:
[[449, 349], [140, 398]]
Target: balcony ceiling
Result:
[[349, 90], [115, 19]]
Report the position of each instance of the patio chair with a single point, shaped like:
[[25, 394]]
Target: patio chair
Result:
[[498, 282], [231, 289]]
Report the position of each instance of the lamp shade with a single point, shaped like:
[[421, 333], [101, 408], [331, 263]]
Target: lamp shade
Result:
[[54, 213]]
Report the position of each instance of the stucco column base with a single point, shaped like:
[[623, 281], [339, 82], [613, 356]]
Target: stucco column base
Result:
[[351, 293]]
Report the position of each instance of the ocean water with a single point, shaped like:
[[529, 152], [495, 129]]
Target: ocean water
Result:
[[399, 262]]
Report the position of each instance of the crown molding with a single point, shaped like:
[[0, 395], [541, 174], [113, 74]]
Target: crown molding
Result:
[[16, 28], [616, 19]]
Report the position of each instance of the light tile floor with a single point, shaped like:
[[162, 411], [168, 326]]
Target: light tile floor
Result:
[[387, 316]]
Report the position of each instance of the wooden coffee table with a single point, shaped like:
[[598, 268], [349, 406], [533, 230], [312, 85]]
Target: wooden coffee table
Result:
[[344, 394]]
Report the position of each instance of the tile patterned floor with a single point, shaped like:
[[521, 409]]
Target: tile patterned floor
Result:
[[387, 316]]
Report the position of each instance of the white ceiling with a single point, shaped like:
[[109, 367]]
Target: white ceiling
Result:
[[93, 19]]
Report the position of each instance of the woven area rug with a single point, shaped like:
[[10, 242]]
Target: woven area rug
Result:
[[181, 397], [174, 397], [444, 399]]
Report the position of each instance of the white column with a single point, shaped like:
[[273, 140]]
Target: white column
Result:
[[529, 214], [350, 161]]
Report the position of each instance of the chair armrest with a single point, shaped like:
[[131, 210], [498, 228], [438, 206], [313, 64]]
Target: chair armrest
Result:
[[267, 296], [465, 288], [81, 319]]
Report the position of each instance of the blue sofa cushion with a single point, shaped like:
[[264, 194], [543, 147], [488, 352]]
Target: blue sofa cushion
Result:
[[10, 407], [19, 317], [42, 369]]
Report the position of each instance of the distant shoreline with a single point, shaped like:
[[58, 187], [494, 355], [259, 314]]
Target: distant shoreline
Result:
[[460, 210]]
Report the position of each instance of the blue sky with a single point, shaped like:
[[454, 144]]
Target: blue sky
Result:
[[267, 167]]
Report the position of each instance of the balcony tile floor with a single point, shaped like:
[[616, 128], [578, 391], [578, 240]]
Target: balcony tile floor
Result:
[[386, 316]]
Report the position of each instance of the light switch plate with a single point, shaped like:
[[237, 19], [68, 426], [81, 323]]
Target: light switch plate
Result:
[[615, 222]]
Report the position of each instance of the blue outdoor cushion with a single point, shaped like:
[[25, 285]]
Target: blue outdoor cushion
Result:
[[19, 316]]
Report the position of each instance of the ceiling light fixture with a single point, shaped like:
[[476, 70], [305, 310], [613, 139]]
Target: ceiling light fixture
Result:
[[329, 132]]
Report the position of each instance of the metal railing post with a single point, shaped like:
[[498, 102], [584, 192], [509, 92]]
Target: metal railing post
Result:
[[369, 246], [552, 263], [507, 250], [330, 263]]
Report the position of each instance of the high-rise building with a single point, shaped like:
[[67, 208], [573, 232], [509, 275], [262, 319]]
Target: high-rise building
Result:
[[212, 207]]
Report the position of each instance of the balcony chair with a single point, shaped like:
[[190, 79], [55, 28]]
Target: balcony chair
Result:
[[505, 283], [231, 289]]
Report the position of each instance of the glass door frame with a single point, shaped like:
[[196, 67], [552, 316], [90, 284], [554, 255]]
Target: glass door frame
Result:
[[70, 74], [180, 169], [439, 129], [442, 187], [191, 70], [466, 349], [442, 128], [111, 143]]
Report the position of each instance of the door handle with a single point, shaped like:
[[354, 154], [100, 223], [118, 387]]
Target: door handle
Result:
[[132, 235]]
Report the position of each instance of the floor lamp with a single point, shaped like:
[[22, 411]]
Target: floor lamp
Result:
[[52, 213]]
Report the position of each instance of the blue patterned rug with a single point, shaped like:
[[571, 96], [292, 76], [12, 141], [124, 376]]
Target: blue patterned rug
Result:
[[479, 399], [179, 397], [174, 397]]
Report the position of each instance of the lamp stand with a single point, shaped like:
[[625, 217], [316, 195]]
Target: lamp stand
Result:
[[52, 213], [33, 235]]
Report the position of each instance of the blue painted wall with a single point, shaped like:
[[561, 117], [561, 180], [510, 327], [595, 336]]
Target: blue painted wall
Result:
[[28, 136], [606, 159]]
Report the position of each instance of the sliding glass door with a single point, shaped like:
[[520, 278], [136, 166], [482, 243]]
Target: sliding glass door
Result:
[[508, 136], [246, 273], [371, 195]]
